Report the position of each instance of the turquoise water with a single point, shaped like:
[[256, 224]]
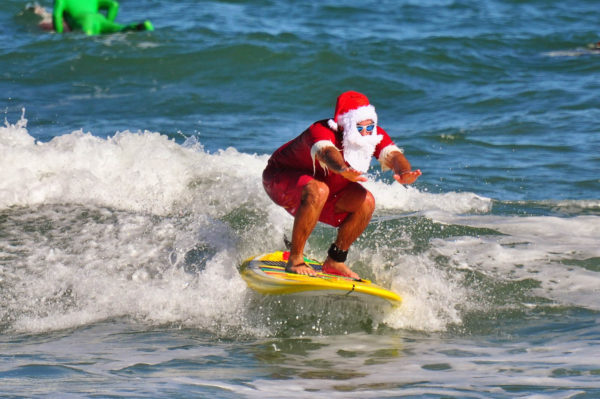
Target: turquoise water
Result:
[[130, 191]]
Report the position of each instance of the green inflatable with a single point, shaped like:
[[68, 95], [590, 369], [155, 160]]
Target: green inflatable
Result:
[[85, 15]]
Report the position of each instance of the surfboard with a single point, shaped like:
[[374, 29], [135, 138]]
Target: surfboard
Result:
[[266, 274]]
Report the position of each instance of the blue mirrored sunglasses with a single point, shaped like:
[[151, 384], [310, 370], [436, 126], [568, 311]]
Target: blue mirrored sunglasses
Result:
[[369, 128]]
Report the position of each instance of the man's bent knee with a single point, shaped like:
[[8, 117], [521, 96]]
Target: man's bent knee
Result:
[[315, 192], [368, 204]]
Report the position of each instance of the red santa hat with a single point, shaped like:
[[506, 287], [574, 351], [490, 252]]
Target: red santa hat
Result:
[[351, 108]]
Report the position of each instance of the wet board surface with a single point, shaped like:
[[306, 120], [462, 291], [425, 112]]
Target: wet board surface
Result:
[[266, 274]]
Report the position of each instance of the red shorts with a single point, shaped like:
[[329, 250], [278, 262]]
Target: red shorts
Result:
[[285, 189]]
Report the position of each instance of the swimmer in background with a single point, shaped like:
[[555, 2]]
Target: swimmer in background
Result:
[[85, 15], [593, 47]]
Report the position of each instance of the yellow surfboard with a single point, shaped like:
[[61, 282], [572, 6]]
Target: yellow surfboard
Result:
[[266, 274]]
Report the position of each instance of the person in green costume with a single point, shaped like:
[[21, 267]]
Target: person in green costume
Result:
[[85, 15]]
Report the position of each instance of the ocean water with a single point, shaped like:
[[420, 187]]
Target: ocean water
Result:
[[130, 192]]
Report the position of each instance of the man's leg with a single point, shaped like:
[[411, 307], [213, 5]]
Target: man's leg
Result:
[[314, 196], [106, 26], [95, 24], [360, 204]]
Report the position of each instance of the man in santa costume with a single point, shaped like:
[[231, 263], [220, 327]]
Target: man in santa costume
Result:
[[316, 176]]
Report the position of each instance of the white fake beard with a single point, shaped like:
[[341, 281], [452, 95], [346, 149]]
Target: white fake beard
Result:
[[359, 149]]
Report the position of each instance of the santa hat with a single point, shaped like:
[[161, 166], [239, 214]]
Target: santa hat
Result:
[[351, 108]]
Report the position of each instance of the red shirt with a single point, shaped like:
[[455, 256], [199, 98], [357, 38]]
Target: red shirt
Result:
[[296, 154]]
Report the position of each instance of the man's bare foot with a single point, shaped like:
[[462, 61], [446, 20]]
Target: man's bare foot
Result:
[[296, 265], [332, 267]]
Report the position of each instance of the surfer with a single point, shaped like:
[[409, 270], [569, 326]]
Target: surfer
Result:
[[85, 15], [316, 176]]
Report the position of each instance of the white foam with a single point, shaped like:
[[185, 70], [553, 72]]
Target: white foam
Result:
[[117, 259], [113, 223], [573, 53], [119, 269], [141, 171], [397, 197], [542, 248], [16, 135], [431, 297]]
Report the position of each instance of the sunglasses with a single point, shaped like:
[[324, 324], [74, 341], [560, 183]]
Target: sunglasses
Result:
[[368, 127]]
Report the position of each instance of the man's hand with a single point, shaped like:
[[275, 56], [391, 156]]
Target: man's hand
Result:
[[352, 174], [407, 177], [401, 167], [332, 157]]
